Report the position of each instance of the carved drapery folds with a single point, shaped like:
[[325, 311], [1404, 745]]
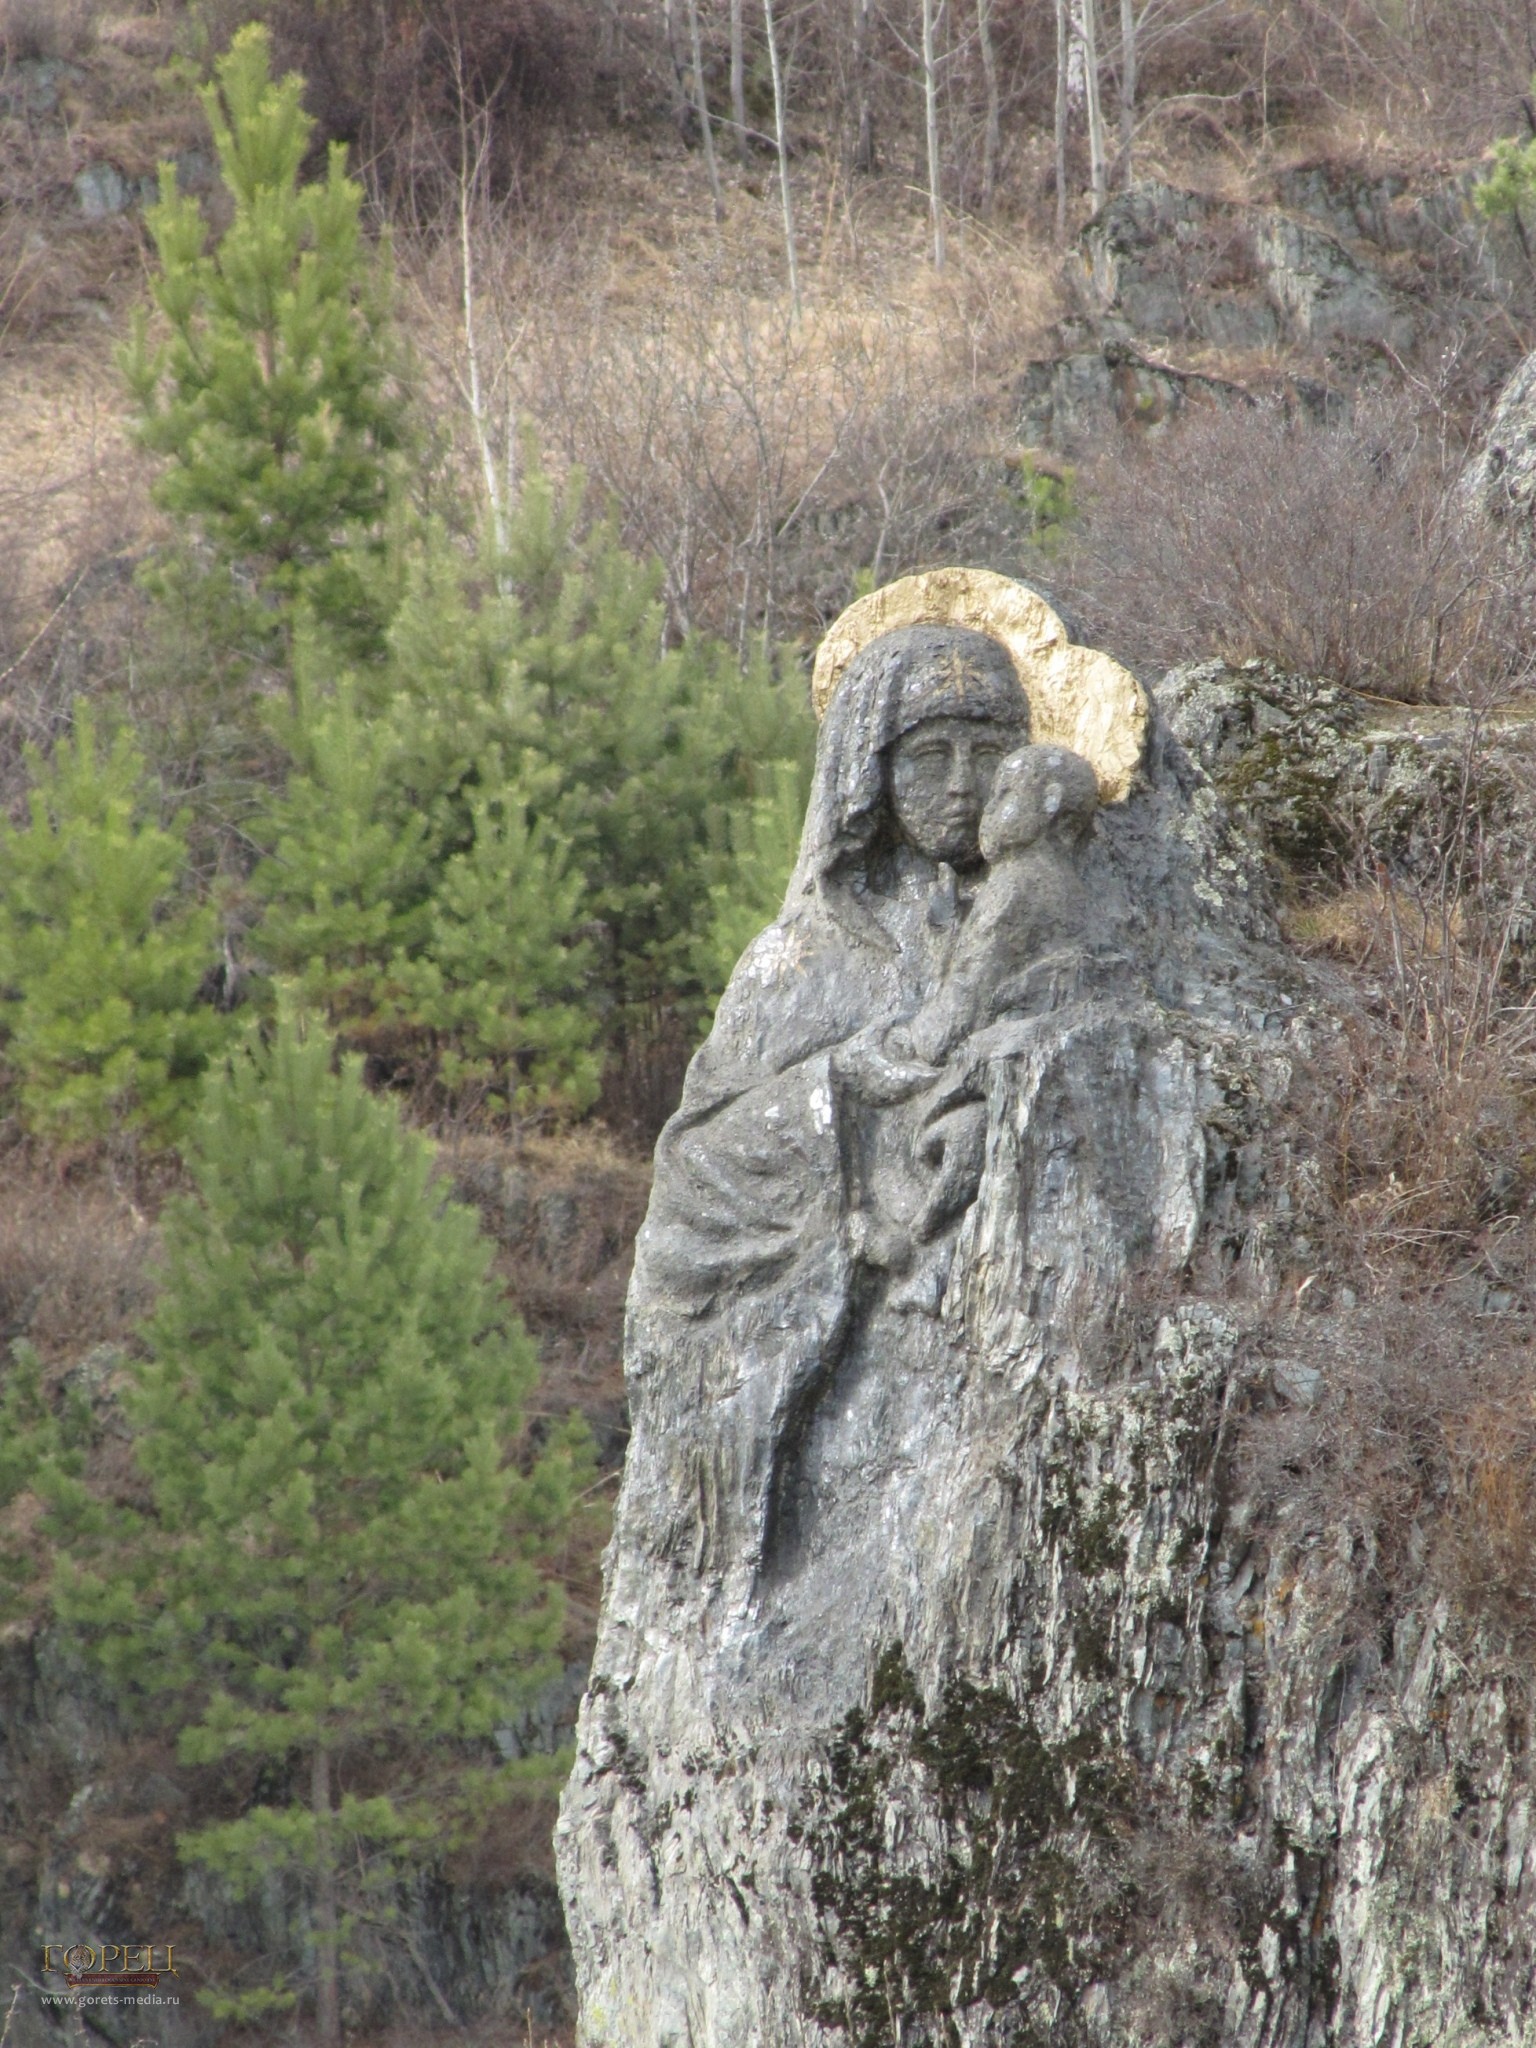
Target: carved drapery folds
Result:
[[902, 1650]]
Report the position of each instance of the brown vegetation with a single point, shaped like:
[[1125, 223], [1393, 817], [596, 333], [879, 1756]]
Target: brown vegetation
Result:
[[40, 31], [75, 1258], [1401, 1340], [1336, 548]]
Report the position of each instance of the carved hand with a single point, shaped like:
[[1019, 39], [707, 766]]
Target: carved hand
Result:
[[878, 1076]]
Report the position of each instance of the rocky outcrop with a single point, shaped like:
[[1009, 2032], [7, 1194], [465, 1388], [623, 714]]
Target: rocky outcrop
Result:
[[1066, 401], [969, 1672], [1181, 266], [1437, 801], [1500, 484], [1324, 264]]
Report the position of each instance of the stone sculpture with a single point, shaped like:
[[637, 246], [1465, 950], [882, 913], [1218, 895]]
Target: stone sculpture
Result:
[[925, 1663]]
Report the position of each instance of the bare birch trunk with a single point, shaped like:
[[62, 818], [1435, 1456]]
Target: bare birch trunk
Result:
[[739, 80], [472, 185], [1098, 167], [932, 10], [992, 134], [1128, 83], [864, 133], [679, 84], [701, 104], [781, 140], [498, 482], [1063, 54]]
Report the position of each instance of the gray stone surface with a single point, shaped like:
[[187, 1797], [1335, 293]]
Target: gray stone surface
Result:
[[954, 1684], [1330, 782], [1067, 401], [101, 190], [1180, 266], [32, 87], [1500, 483], [1322, 293]]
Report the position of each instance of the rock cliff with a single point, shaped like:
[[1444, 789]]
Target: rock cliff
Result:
[[995, 1666]]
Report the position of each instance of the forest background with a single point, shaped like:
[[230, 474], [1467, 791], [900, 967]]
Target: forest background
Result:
[[419, 507]]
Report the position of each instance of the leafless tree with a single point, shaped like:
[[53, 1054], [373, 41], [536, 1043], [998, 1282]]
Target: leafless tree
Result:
[[739, 80], [701, 107], [992, 133], [932, 20], [781, 141]]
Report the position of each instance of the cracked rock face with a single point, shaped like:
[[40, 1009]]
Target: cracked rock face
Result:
[[1177, 264], [948, 1688], [1500, 483]]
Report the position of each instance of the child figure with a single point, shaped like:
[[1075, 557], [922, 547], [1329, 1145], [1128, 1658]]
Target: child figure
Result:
[[1031, 904], [1029, 914]]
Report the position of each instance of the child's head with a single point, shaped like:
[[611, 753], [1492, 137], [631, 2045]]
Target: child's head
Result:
[[1038, 790]]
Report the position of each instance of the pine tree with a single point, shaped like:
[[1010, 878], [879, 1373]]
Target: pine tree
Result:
[[499, 979], [102, 951], [415, 899], [653, 746], [276, 392], [40, 1446], [1509, 189], [341, 1576], [347, 888], [753, 867], [502, 839]]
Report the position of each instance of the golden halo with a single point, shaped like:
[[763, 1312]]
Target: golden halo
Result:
[[1078, 698]]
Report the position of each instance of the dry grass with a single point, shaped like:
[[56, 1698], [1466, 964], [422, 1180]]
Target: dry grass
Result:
[[1429, 1141], [75, 1258], [1412, 1295], [564, 1211], [74, 514], [1415, 1457], [33, 31], [762, 457]]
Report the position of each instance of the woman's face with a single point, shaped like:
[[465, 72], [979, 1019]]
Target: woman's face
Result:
[[941, 776]]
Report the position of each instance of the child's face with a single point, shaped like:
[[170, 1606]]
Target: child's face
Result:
[[1035, 790], [941, 776]]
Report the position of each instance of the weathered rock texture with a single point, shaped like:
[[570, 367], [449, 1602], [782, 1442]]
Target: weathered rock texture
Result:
[[957, 1682], [1500, 484], [1185, 298], [1167, 262]]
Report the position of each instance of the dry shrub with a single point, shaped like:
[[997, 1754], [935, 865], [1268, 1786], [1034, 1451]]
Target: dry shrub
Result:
[[73, 512], [75, 1260], [1416, 1230], [1428, 1143], [565, 1210], [1489, 1531], [1434, 73], [1431, 1170], [1336, 550], [34, 31], [1418, 1450], [1467, 63], [394, 79]]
